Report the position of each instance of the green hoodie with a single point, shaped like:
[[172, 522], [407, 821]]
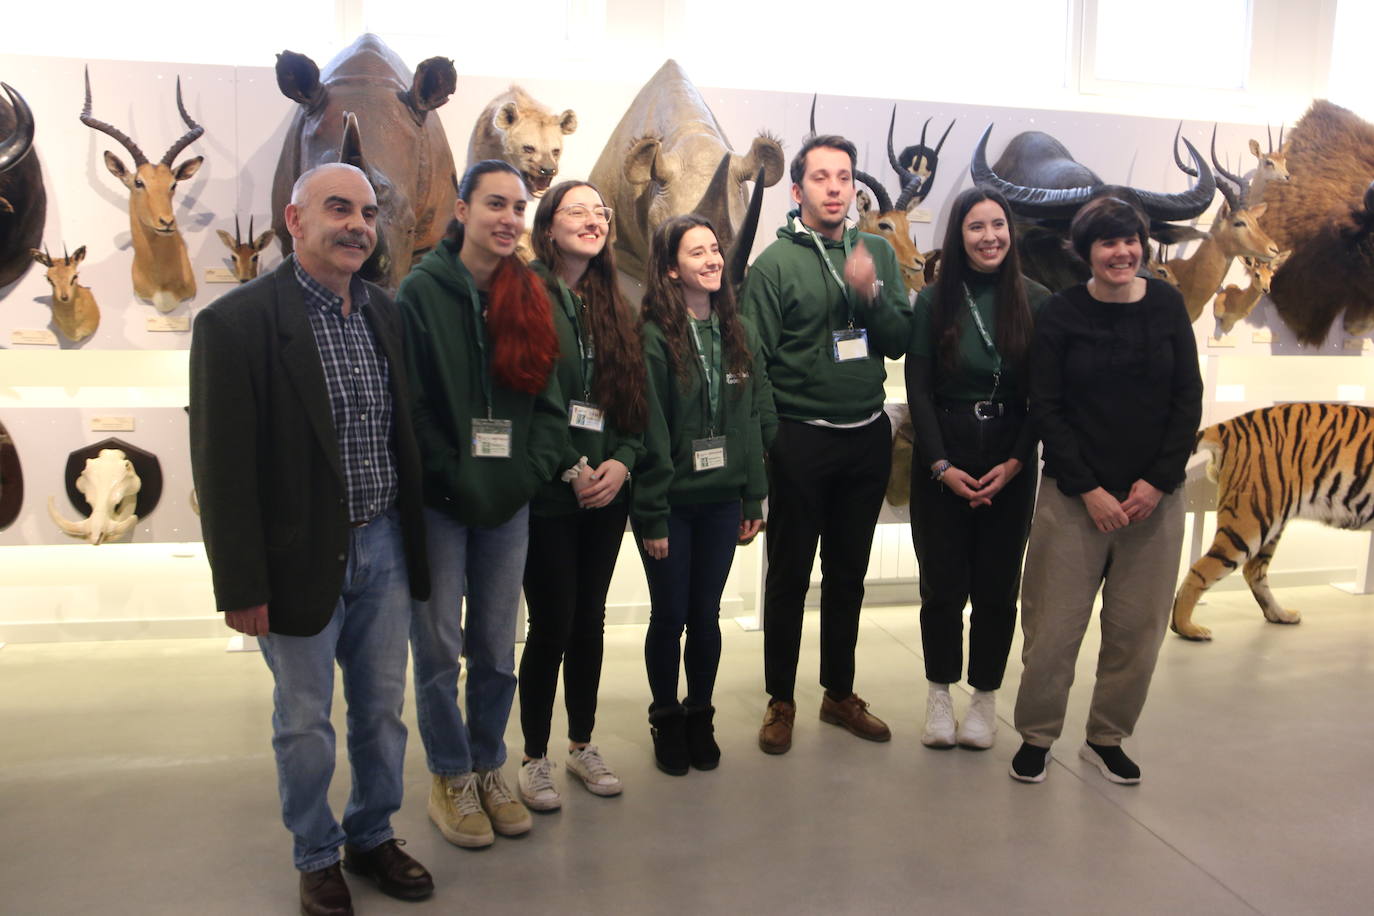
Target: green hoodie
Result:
[[443, 334], [679, 416], [795, 305], [555, 497]]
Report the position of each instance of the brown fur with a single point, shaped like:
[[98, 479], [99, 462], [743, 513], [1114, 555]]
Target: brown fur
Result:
[[1273, 465], [1330, 155]]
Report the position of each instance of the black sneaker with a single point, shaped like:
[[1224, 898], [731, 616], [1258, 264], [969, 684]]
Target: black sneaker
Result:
[[1029, 763], [1112, 761]]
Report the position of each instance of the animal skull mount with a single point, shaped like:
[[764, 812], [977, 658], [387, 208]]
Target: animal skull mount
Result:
[[110, 485]]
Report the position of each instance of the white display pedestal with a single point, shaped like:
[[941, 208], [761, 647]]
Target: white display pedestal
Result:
[[241, 643], [1364, 572]]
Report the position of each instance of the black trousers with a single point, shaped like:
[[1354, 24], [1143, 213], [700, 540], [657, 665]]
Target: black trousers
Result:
[[968, 554], [567, 573], [826, 485]]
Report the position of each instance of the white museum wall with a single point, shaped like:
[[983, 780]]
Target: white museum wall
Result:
[[48, 395]]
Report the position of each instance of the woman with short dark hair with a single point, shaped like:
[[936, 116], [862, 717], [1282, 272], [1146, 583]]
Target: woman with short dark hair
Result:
[[1116, 398]]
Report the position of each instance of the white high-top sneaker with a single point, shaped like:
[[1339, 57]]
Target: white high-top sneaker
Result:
[[979, 728], [939, 731]]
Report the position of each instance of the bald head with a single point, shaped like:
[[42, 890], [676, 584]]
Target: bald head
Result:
[[300, 191], [332, 219]]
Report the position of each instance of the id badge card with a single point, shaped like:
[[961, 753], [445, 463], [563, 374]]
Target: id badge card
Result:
[[850, 344], [708, 454], [582, 415], [491, 438]]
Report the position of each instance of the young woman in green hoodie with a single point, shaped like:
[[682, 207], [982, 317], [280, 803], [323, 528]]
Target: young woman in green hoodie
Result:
[[711, 400], [576, 531], [481, 345]]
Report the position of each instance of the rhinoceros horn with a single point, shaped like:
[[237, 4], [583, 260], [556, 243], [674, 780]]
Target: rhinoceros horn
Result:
[[1063, 203], [738, 258]]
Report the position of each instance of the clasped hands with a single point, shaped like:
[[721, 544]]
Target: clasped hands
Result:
[[979, 491], [1110, 515]]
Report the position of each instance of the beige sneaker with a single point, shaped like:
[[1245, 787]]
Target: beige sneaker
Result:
[[456, 810], [509, 817]]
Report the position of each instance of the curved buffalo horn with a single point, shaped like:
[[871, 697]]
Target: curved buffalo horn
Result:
[[17, 145], [1235, 196], [1062, 203], [868, 181], [187, 138], [738, 258], [891, 153], [1178, 160], [106, 128]]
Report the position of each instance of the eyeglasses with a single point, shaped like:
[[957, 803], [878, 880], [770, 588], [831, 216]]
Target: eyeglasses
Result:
[[580, 212]]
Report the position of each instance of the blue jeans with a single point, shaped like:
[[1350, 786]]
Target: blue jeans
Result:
[[684, 591], [485, 565], [367, 636]]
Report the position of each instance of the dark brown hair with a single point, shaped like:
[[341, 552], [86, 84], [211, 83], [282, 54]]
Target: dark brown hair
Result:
[[829, 141], [524, 345], [1107, 218], [665, 307], [1013, 332], [620, 382]]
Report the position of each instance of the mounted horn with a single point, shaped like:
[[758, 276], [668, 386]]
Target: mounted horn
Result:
[[106, 128], [892, 153], [1043, 203], [1235, 196], [187, 138], [737, 260], [17, 145], [868, 181]]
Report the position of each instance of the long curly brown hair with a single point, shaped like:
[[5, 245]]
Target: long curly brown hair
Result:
[[620, 382], [665, 307]]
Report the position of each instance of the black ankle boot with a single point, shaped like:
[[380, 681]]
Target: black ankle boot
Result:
[[702, 750], [668, 726]]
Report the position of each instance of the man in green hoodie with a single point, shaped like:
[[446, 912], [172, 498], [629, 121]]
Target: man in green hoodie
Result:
[[828, 305]]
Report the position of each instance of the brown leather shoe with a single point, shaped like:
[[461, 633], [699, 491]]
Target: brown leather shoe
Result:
[[775, 736], [852, 714], [397, 874], [324, 893]]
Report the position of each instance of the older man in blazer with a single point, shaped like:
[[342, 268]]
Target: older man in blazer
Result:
[[308, 477]]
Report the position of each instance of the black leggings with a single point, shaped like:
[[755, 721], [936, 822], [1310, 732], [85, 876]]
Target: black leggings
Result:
[[567, 574]]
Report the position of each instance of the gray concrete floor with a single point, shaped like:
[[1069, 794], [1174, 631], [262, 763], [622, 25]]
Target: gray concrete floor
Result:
[[137, 777]]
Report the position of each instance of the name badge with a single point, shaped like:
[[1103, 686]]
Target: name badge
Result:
[[491, 438], [708, 454], [850, 344], [582, 415]]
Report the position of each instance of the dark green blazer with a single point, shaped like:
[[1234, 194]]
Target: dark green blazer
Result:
[[266, 461]]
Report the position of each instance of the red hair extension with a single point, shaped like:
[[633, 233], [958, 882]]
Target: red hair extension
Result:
[[524, 345]]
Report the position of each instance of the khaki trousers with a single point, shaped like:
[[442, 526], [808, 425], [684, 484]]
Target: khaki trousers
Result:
[[1067, 560]]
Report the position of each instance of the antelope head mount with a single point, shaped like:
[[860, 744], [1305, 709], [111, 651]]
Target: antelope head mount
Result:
[[74, 309], [245, 253], [161, 270]]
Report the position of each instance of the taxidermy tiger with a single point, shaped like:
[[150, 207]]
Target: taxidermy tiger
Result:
[[1273, 465]]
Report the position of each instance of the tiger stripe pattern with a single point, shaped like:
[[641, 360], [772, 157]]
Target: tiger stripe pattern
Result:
[[1273, 465]]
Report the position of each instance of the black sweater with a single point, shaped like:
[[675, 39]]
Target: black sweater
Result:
[[1115, 391]]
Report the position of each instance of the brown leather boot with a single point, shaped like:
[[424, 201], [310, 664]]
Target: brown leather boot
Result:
[[775, 736], [852, 714], [324, 893]]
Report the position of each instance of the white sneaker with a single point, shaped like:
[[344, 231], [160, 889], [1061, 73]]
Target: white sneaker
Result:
[[939, 730], [587, 765], [536, 785], [979, 728]]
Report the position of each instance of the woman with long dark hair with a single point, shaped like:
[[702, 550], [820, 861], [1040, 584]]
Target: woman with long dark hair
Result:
[[971, 491], [577, 516], [1116, 397], [712, 400], [481, 346]]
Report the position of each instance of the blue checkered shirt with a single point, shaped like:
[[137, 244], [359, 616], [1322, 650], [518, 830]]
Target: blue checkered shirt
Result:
[[358, 378]]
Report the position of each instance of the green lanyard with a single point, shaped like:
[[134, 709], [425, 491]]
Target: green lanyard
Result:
[[480, 332], [825, 259], [710, 378], [987, 342], [570, 301]]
